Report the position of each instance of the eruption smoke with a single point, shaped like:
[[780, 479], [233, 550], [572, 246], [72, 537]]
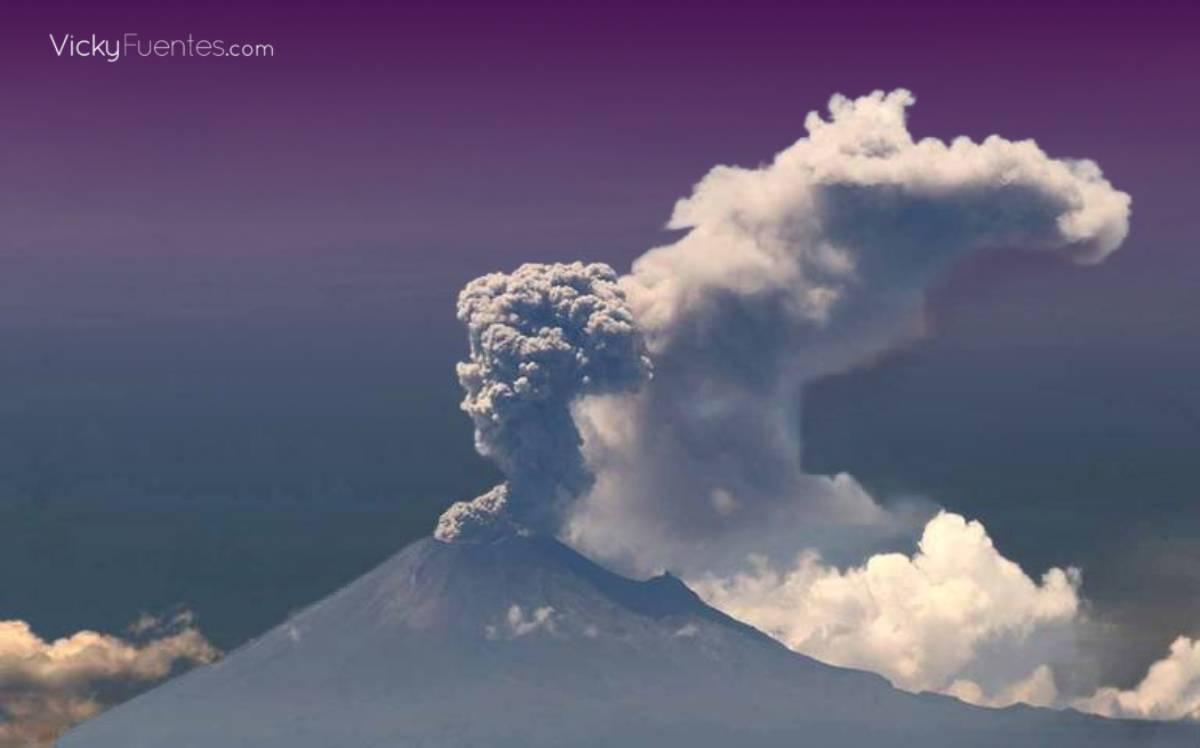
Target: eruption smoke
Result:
[[812, 264], [808, 266], [789, 272], [540, 338]]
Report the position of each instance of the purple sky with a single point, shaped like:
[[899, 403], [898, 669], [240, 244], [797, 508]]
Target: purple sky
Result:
[[492, 133], [218, 273]]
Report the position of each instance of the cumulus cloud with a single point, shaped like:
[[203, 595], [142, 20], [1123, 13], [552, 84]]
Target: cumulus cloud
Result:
[[922, 620], [540, 338], [955, 617], [47, 687], [801, 268], [1170, 690]]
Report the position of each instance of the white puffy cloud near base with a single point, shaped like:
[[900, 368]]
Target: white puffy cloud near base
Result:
[[46, 687], [517, 623], [955, 617], [1039, 689], [924, 621], [1170, 690]]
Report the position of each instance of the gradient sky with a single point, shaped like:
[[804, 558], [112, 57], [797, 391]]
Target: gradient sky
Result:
[[228, 285]]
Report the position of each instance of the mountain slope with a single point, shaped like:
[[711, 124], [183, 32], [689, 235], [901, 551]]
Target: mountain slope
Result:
[[522, 642]]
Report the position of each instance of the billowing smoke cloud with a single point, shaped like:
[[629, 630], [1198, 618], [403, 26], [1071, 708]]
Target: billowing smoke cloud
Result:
[[927, 621], [48, 687], [802, 268], [540, 339], [805, 267]]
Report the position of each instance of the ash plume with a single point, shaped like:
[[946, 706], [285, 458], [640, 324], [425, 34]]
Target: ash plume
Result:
[[540, 338], [807, 266]]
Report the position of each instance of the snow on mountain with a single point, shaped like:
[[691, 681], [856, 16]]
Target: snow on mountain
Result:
[[522, 642]]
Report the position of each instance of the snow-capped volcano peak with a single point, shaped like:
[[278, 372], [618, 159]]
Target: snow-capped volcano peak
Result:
[[520, 641]]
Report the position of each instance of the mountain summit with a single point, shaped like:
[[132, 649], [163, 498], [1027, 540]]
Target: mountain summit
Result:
[[519, 641]]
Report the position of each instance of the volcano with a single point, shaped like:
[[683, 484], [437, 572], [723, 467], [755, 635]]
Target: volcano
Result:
[[520, 641]]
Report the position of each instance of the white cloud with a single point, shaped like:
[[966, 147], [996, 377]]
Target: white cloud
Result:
[[955, 617], [47, 687], [1170, 690], [922, 621], [517, 624], [1039, 689]]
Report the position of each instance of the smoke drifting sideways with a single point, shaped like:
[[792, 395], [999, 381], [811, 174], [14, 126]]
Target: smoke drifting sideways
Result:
[[805, 267], [812, 264], [540, 339], [798, 269]]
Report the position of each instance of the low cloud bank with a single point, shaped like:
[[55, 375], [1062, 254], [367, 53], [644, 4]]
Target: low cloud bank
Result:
[[48, 687], [955, 617], [922, 620], [1170, 690]]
